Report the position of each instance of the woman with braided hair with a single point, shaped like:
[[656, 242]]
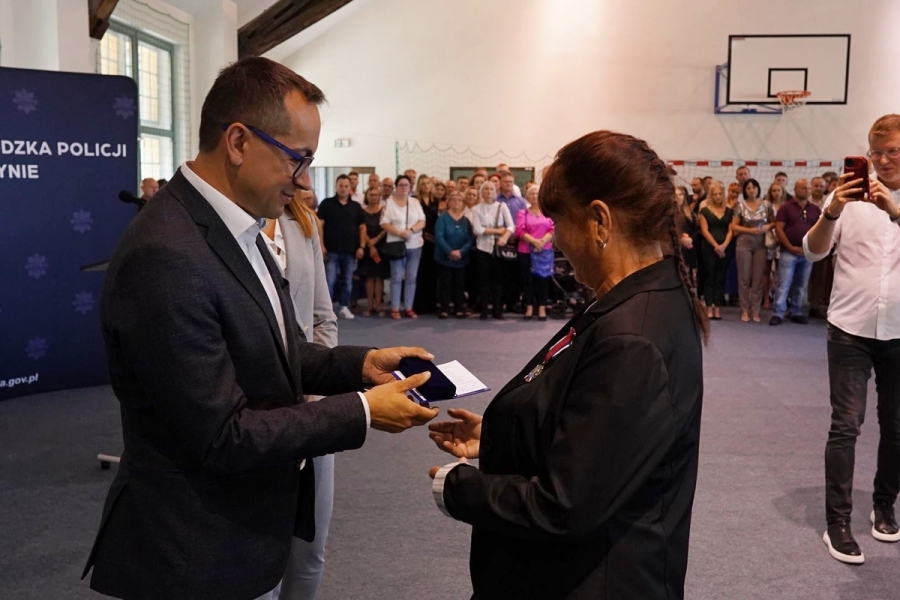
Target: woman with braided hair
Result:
[[588, 457]]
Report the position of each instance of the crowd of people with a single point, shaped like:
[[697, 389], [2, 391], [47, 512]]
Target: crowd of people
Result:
[[745, 246], [479, 244], [448, 247]]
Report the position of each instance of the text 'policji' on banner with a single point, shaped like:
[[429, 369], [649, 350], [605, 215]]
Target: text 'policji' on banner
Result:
[[68, 145]]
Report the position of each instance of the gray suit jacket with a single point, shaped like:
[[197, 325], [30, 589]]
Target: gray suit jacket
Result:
[[208, 493], [309, 288]]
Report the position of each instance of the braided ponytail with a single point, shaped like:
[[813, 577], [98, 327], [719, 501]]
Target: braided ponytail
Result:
[[700, 317], [634, 181]]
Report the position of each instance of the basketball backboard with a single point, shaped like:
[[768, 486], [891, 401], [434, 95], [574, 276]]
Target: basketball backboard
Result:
[[761, 65]]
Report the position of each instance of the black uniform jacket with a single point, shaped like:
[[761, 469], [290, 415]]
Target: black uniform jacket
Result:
[[587, 473], [208, 493]]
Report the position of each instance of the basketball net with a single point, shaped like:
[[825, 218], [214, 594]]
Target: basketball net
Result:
[[791, 99]]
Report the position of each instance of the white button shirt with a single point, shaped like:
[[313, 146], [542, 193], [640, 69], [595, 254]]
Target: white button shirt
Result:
[[245, 229], [277, 248], [865, 300]]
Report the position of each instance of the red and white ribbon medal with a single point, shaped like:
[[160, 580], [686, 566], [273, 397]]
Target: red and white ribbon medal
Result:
[[551, 354]]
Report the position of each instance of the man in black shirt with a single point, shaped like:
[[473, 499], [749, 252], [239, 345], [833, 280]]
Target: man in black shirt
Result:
[[342, 227]]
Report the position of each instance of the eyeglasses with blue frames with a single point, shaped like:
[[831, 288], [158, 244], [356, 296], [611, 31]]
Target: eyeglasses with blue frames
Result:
[[891, 153], [301, 161]]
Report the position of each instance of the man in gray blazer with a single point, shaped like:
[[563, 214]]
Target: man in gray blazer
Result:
[[210, 367]]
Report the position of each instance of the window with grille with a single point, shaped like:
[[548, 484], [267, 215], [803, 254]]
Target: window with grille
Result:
[[149, 61]]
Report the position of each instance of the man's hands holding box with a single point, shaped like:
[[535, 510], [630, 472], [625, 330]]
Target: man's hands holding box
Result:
[[389, 407]]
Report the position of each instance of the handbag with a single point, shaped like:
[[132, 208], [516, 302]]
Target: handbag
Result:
[[508, 250], [396, 250]]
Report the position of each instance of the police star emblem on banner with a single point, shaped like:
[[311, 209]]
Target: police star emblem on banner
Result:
[[36, 348], [124, 107], [81, 221], [36, 266], [84, 302], [25, 101]]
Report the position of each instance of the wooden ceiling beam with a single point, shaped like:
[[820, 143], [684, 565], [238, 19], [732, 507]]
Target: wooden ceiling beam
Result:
[[282, 21], [100, 11]]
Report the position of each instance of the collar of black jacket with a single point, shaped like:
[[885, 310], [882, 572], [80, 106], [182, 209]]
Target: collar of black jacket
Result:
[[200, 210], [661, 275]]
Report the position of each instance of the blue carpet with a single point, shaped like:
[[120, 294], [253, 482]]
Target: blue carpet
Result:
[[758, 515]]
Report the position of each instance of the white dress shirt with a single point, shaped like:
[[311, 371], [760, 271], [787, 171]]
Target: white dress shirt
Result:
[[437, 486], [865, 299], [490, 216], [245, 229], [278, 250]]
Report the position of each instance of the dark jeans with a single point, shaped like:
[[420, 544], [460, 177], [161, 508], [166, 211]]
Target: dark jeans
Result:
[[491, 273], [339, 267], [714, 270], [851, 360], [453, 284]]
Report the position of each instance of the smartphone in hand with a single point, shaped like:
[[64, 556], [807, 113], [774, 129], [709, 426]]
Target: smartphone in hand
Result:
[[858, 166]]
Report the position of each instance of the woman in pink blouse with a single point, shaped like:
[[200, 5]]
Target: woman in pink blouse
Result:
[[535, 234]]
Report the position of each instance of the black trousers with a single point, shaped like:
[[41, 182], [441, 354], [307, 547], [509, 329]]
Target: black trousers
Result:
[[851, 360], [491, 273], [714, 270], [427, 281], [512, 286], [535, 289], [453, 286], [524, 264], [472, 282]]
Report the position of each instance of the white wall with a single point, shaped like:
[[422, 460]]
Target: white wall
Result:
[[75, 55], [212, 43], [531, 75], [53, 35], [45, 34], [6, 33], [214, 46]]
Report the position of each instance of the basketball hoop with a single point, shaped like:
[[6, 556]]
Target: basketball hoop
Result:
[[792, 99]]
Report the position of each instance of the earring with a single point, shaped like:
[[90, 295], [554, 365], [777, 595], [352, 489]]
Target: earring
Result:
[[603, 244]]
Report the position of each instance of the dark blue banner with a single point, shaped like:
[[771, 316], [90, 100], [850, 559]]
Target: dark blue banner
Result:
[[68, 145]]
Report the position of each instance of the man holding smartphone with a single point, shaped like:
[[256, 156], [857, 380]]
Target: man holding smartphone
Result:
[[863, 334]]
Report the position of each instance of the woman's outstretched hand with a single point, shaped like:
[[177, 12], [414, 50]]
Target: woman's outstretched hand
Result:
[[462, 437]]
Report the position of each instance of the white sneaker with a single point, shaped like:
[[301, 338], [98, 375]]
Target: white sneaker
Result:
[[345, 313]]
